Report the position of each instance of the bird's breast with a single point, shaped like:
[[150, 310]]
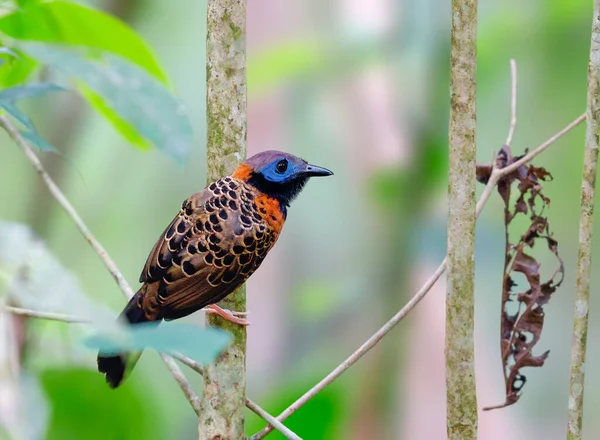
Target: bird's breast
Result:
[[269, 209]]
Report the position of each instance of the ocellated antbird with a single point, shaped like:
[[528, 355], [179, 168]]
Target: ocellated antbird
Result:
[[218, 239]]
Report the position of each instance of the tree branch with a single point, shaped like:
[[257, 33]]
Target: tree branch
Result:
[[584, 254], [15, 135]]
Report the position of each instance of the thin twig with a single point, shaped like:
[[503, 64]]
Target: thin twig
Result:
[[498, 173], [287, 433], [51, 316], [513, 103], [495, 176], [190, 363], [15, 135], [586, 228], [527, 158]]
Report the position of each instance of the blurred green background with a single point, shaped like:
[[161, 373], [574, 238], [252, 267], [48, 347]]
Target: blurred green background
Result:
[[360, 88]]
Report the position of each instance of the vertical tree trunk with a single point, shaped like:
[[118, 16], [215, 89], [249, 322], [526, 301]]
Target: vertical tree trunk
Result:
[[223, 399], [460, 369], [584, 255]]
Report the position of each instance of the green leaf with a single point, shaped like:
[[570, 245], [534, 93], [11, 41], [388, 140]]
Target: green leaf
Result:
[[35, 139], [77, 25], [121, 125], [14, 111], [202, 344], [31, 90], [15, 70], [128, 91], [8, 98]]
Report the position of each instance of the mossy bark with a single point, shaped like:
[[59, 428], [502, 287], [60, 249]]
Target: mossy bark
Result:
[[460, 366], [584, 255], [223, 399]]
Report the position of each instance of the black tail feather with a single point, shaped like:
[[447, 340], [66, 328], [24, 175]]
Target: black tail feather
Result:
[[113, 367]]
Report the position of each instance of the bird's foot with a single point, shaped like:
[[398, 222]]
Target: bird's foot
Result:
[[228, 314]]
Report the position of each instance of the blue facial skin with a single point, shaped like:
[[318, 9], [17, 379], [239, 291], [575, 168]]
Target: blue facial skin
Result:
[[284, 176], [282, 170]]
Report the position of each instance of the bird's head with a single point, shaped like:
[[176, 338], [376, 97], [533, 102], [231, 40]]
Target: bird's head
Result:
[[277, 174]]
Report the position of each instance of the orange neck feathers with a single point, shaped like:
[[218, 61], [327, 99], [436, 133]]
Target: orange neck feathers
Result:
[[269, 209], [243, 172]]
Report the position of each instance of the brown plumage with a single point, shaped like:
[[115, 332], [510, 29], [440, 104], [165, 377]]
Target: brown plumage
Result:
[[197, 261]]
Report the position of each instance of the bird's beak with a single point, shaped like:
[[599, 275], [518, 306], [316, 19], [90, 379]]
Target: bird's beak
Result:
[[313, 170]]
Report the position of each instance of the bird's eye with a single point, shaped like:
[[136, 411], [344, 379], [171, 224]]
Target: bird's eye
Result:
[[282, 166]]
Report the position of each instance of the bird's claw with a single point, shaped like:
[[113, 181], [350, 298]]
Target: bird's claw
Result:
[[228, 315]]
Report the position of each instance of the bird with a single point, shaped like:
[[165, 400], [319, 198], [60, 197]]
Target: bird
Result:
[[217, 240]]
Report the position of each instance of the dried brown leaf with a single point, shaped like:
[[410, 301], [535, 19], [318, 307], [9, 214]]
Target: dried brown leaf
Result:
[[522, 315]]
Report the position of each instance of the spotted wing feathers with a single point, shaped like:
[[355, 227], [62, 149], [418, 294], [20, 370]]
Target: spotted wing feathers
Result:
[[215, 243]]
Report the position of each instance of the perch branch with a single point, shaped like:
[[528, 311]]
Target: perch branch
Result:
[[496, 175], [15, 135], [584, 254]]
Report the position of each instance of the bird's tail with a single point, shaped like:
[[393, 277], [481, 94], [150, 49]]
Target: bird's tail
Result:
[[115, 367]]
